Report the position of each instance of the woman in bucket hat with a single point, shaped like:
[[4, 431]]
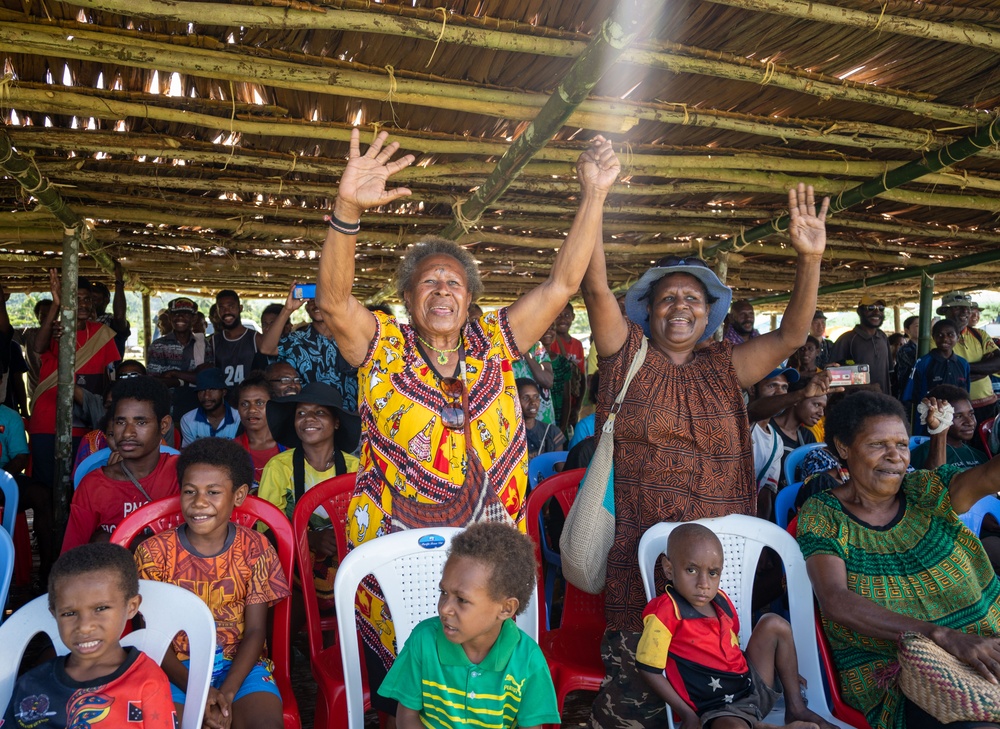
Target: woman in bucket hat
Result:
[[682, 438], [320, 435]]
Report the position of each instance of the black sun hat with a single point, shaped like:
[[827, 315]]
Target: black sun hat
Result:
[[281, 416]]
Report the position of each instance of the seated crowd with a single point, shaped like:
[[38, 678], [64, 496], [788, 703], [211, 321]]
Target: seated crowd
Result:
[[438, 412]]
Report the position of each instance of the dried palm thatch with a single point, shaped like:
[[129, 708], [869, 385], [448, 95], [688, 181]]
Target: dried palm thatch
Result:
[[205, 140]]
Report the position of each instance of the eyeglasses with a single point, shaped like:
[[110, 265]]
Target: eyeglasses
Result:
[[452, 414], [127, 375], [679, 261], [870, 308], [287, 380]]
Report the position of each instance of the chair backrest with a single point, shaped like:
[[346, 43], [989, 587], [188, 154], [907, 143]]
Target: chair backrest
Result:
[[6, 569], [166, 514], [985, 429], [794, 459], [9, 487], [973, 518], [544, 465], [408, 567], [918, 440], [334, 495], [743, 538], [100, 458], [784, 503], [562, 487], [167, 609]]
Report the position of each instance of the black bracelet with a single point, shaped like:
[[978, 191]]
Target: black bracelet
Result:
[[341, 227]]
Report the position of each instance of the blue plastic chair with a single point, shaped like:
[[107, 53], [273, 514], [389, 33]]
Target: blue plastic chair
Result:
[[794, 459], [973, 518], [544, 465], [785, 503], [100, 458], [9, 487], [918, 440], [6, 567]]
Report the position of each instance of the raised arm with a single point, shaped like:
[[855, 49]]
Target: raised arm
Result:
[[361, 187], [754, 359], [44, 337], [119, 306], [529, 316], [269, 341]]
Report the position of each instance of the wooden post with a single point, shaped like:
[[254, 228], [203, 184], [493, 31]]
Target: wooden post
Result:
[[147, 333], [926, 311], [897, 320], [63, 485], [774, 322]]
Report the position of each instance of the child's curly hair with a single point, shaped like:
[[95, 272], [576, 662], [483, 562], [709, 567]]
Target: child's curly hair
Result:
[[96, 557], [507, 552]]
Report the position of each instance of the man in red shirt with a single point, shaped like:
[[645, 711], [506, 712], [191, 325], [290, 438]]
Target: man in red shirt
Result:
[[95, 353], [140, 417]]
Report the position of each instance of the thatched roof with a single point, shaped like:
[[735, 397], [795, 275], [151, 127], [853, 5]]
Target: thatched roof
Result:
[[716, 110]]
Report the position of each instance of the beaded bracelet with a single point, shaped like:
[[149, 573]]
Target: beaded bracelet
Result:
[[341, 227]]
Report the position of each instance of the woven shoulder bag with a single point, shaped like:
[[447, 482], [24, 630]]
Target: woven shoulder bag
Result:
[[589, 530]]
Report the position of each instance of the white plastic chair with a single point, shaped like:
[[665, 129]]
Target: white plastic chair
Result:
[[743, 538], [408, 567], [167, 609]]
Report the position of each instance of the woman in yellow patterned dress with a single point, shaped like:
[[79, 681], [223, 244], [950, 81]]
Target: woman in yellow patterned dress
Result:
[[442, 442]]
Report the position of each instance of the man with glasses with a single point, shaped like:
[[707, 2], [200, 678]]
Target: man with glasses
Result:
[[867, 343], [283, 380], [977, 348]]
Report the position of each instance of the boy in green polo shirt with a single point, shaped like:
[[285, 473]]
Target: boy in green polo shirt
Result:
[[472, 664]]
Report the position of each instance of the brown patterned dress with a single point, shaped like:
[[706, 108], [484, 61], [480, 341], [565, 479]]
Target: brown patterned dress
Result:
[[682, 452]]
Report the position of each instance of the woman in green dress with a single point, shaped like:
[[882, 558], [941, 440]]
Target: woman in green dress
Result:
[[887, 554]]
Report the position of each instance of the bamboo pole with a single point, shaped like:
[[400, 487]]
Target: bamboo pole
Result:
[[954, 264], [28, 177], [752, 71], [962, 33], [140, 52], [147, 321], [930, 162]]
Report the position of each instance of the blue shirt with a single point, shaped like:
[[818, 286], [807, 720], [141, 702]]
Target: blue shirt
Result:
[[195, 425], [930, 371], [317, 359], [13, 442]]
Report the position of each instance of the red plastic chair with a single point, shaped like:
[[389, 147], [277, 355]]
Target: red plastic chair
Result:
[[985, 429], [573, 650], [334, 495], [166, 514]]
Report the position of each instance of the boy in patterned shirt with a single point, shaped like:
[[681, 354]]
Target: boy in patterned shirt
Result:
[[236, 572], [472, 664], [690, 653], [93, 593]]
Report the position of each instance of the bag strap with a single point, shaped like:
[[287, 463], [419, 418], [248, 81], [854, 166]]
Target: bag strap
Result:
[[640, 357], [776, 446], [135, 481], [299, 469]]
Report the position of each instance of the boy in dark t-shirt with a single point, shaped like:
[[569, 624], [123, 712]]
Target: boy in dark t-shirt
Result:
[[689, 652], [93, 592]]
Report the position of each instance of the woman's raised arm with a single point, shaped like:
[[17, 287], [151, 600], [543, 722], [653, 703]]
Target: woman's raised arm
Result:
[[362, 186], [529, 316]]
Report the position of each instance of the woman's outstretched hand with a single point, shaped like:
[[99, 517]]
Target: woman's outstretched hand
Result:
[[363, 184], [598, 167], [807, 228]]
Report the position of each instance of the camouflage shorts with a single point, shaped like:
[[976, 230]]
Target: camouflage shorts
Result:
[[625, 701]]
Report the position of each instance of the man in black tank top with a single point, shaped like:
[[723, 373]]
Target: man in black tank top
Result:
[[235, 345]]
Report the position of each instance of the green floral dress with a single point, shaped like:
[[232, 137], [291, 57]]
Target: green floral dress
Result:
[[521, 369]]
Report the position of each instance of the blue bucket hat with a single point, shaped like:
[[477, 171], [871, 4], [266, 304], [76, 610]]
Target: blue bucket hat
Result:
[[637, 298]]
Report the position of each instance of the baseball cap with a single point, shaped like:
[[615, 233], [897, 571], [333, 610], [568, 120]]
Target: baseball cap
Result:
[[182, 304]]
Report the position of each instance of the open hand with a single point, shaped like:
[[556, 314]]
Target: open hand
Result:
[[807, 228], [819, 385], [598, 166], [363, 183], [55, 287], [291, 303], [982, 654]]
